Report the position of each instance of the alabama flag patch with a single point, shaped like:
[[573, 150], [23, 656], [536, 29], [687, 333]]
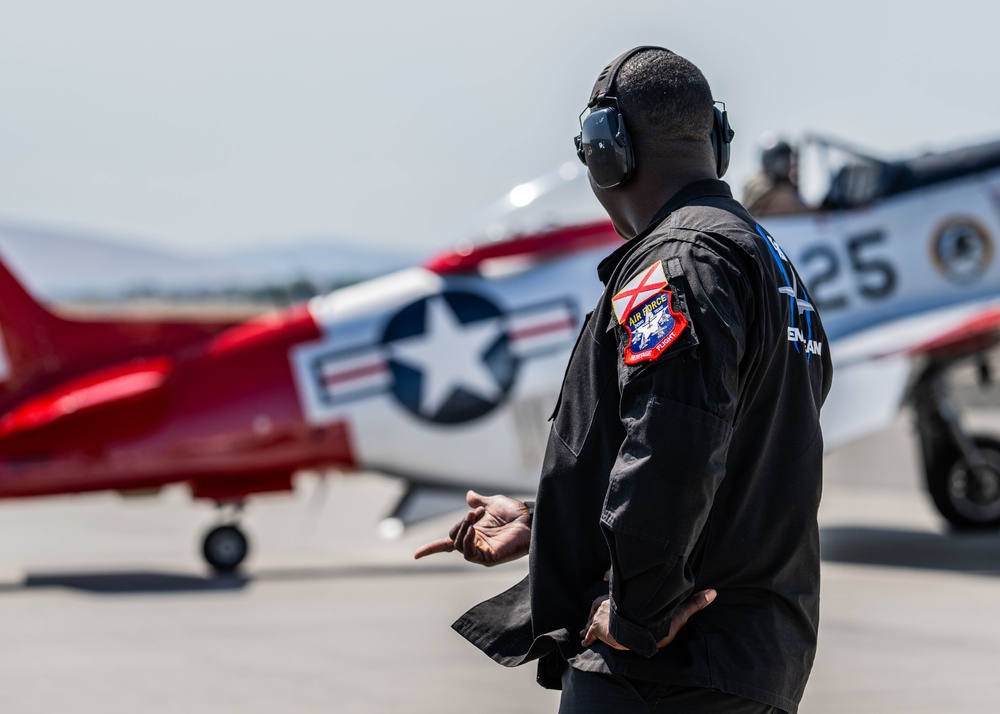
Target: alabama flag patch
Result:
[[644, 307]]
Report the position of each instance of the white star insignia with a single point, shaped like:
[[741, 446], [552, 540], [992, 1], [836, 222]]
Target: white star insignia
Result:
[[449, 355]]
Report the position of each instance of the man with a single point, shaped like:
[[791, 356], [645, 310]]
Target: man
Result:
[[774, 192], [683, 469]]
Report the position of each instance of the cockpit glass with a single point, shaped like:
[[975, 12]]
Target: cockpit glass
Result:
[[558, 198], [834, 175]]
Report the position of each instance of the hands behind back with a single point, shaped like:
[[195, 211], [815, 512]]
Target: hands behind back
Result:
[[599, 624], [496, 530]]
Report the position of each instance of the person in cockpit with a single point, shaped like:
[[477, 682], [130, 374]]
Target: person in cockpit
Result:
[[774, 191]]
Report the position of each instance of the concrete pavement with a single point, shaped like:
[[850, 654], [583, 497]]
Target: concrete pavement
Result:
[[105, 606]]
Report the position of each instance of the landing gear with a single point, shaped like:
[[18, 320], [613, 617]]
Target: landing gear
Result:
[[968, 496], [226, 546], [962, 470]]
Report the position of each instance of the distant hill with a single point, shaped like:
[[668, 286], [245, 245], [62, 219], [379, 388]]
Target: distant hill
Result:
[[64, 265]]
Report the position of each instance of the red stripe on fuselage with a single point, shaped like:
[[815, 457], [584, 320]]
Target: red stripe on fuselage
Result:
[[356, 373], [527, 332]]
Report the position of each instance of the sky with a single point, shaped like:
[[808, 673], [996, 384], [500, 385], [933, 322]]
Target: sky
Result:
[[209, 125]]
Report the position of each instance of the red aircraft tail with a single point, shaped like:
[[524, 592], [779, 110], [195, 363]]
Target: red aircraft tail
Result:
[[24, 332], [39, 348]]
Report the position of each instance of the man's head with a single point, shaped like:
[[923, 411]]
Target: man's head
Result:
[[666, 107], [665, 99], [777, 158]]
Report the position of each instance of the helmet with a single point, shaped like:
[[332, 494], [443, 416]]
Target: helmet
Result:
[[777, 158]]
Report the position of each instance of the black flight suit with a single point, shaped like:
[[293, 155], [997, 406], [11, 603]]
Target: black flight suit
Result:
[[683, 457]]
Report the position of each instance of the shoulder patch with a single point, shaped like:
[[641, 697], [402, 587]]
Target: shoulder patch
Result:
[[644, 307], [652, 328], [647, 284]]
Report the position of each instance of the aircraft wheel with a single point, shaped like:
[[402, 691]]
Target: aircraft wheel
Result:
[[968, 501], [225, 547]]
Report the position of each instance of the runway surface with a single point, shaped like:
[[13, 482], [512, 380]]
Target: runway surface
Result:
[[106, 607]]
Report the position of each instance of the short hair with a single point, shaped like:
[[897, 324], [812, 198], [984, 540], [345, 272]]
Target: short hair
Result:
[[664, 97]]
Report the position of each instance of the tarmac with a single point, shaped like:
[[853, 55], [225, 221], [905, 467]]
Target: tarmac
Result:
[[106, 607]]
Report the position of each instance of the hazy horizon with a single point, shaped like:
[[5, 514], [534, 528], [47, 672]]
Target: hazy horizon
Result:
[[201, 126]]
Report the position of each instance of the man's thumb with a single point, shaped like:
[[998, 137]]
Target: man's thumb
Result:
[[476, 500]]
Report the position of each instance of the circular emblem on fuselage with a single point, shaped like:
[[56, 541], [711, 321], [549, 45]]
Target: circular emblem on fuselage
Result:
[[961, 249], [450, 357]]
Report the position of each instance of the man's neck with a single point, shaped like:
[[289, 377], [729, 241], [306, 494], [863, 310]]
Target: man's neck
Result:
[[651, 192]]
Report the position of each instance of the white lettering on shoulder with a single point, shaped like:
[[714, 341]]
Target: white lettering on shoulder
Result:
[[812, 346]]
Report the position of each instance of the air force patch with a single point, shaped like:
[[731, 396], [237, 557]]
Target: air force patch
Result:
[[645, 309], [638, 290]]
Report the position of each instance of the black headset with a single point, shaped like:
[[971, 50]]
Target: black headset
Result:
[[603, 143]]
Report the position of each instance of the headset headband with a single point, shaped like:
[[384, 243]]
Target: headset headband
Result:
[[603, 144], [606, 80]]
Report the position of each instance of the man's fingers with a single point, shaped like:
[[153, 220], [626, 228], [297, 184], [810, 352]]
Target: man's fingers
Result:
[[474, 515], [444, 545], [453, 532], [699, 601], [455, 535], [598, 632], [595, 606], [464, 527], [590, 618], [597, 628], [468, 544]]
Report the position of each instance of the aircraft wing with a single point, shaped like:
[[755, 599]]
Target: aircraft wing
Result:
[[873, 368]]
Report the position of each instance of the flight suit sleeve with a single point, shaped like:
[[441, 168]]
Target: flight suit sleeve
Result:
[[677, 408]]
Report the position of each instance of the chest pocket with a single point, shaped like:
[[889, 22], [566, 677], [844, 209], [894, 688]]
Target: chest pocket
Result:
[[587, 378]]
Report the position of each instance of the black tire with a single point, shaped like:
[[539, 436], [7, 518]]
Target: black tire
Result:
[[966, 505], [224, 548]]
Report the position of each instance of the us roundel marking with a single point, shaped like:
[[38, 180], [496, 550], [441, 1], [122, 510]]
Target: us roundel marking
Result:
[[446, 358], [450, 357], [961, 250]]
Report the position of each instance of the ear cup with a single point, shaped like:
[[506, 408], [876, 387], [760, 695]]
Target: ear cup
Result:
[[604, 146], [603, 143], [722, 137]]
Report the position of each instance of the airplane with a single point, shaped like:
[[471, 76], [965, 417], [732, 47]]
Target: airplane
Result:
[[444, 374], [898, 258]]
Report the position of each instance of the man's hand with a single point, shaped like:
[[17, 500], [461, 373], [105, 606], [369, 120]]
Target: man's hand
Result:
[[496, 530], [600, 618]]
